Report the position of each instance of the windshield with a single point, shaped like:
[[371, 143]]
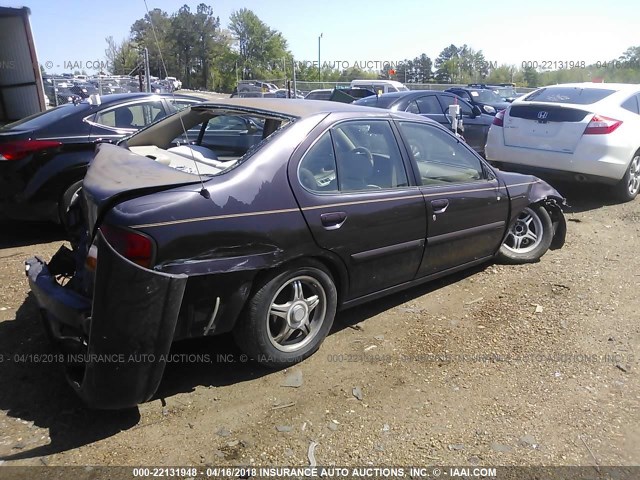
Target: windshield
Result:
[[506, 92], [485, 96]]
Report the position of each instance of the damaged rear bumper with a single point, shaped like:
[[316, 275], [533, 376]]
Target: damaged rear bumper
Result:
[[122, 337]]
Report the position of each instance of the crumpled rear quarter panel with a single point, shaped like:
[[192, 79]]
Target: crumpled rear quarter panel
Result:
[[134, 317]]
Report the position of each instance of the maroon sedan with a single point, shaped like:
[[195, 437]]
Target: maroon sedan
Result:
[[335, 205]]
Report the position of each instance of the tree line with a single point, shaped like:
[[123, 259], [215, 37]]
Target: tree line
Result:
[[193, 46]]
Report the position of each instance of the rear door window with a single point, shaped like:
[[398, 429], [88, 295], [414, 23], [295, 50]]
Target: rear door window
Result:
[[429, 105], [353, 156], [133, 116], [447, 100]]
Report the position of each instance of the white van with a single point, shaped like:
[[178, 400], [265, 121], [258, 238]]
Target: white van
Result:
[[379, 86]]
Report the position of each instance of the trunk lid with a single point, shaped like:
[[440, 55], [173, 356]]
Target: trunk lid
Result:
[[117, 174], [543, 126]]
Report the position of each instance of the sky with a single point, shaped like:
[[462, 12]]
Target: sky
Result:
[[73, 32]]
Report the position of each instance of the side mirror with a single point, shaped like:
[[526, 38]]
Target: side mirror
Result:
[[475, 111]]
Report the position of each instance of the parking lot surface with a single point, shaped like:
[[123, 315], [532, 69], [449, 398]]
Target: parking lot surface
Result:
[[503, 365]]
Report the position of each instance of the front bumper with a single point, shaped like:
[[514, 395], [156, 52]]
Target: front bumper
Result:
[[122, 337]]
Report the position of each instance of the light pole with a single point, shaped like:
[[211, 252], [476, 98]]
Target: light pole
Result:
[[319, 66]]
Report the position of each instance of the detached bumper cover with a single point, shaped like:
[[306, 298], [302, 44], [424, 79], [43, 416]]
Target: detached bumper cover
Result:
[[130, 330]]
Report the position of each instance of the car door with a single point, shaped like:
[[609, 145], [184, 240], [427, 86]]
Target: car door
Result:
[[467, 209], [352, 187], [476, 127]]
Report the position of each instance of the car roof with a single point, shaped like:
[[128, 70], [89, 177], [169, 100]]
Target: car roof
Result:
[[289, 107], [122, 97], [466, 88]]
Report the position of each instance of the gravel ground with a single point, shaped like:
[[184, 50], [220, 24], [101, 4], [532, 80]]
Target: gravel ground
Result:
[[501, 365]]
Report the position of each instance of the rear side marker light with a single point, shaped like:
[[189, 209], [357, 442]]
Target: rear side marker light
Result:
[[601, 125]]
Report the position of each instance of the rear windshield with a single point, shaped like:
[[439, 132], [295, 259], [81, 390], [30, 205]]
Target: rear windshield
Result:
[[42, 119], [577, 95], [485, 96]]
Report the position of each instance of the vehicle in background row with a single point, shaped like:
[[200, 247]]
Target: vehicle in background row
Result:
[[340, 94], [379, 86], [44, 157], [434, 104], [319, 94], [338, 204], [488, 100], [83, 90], [177, 84], [285, 93], [581, 132], [506, 91]]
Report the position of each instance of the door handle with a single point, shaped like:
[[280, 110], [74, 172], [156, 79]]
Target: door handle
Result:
[[333, 220], [440, 205]]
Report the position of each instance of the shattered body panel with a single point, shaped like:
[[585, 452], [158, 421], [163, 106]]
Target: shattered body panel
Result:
[[533, 191], [125, 341]]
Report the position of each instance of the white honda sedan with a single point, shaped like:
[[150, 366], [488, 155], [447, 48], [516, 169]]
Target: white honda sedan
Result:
[[580, 131]]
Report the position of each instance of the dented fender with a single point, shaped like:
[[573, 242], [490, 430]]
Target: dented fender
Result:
[[535, 191]]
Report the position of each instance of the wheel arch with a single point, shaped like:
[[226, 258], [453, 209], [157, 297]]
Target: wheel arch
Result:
[[553, 206], [328, 260]]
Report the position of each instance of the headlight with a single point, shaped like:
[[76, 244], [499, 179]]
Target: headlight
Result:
[[489, 109]]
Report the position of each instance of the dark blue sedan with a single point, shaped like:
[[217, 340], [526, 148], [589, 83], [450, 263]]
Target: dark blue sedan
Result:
[[434, 104]]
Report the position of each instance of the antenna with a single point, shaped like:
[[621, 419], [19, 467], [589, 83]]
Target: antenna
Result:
[[204, 192]]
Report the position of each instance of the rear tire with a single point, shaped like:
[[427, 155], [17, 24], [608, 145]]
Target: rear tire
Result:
[[288, 315], [627, 189], [528, 238]]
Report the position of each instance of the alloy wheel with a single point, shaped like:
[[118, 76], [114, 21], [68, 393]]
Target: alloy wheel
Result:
[[634, 176], [526, 233], [296, 313]]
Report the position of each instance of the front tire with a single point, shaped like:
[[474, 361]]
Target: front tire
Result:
[[627, 189], [528, 238], [289, 315]]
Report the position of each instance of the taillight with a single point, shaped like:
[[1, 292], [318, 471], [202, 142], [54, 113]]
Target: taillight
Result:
[[498, 120], [19, 149], [601, 125], [130, 244]]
